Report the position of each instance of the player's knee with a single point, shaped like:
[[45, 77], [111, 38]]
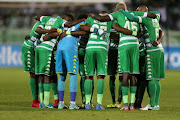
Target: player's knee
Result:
[[100, 76], [32, 75], [41, 79], [47, 80], [89, 77]]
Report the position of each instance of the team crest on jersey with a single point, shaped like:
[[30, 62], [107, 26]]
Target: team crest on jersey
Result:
[[51, 21], [155, 23]]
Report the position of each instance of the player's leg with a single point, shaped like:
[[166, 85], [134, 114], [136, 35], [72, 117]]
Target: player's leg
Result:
[[41, 90], [62, 71], [151, 74], [100, 91], [118, 103], [102, 61], [53, 80], [72, 65], [134, 70], [46, 67], [40, 78], [47, 89], [54, 88], [81, 55], [112, 68], [160, 72], [34, 89], [28, 57], [112, 88], [89, 71], [141, 83], [132, 92], [125, 68]]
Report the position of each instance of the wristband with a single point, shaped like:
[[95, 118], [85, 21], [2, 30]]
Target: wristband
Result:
[[134, 33], [59, 31], [68, 32]]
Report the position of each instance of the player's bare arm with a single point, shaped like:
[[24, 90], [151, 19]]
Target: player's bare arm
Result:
[[43, 31], [125, 31], [50, 36], [85, 27], [161, 36], [151, 15], [73, 33], [100, 18], [74, 22], [135, 18]]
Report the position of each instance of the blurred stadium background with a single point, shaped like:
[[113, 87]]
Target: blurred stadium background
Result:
[[17, 18]]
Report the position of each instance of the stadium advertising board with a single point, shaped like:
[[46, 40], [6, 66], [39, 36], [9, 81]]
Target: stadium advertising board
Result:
[[11, 56]]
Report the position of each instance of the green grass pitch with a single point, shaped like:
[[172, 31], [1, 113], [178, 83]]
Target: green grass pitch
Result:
[[15, 101]]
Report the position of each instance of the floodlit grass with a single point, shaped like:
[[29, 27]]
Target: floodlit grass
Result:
[[15, 101]]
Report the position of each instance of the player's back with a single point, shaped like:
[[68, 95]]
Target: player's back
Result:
[[95, 41], [133, 26], [69, 42], [152, 27], [50, 22]]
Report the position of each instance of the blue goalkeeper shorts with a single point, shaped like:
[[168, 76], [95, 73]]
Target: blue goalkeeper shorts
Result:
[[67, 61]]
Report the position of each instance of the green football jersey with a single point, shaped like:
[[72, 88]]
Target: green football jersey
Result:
[[50, 22], [114, 39], [125, 23], [143, 35], [33, 34], [152, 26], [95, 41]]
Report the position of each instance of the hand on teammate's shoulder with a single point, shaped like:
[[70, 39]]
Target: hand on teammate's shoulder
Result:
[[27, 37], [155, 43]]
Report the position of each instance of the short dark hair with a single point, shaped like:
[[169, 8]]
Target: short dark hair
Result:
[[82, 16], [70, 16]]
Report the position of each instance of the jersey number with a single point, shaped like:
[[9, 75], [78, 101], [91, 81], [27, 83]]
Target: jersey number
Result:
[[47, 27], [131, 26], [94, 35]]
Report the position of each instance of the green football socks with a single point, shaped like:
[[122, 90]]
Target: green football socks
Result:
[[88, 90], [152, 92], [47, 88], [125, 94], [132, 93], [100, 90], [82, 89], [158, 92], [33, 86], [41, 92], [55, 91]]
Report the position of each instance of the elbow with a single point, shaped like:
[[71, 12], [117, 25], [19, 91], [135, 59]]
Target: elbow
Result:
[[68, 25], [37, 30], [154, 16]]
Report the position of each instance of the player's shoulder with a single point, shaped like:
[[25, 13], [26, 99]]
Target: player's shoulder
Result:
[[90, 18]]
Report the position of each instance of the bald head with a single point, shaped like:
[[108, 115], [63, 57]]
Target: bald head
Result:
[[121, 6], [142, 8]]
